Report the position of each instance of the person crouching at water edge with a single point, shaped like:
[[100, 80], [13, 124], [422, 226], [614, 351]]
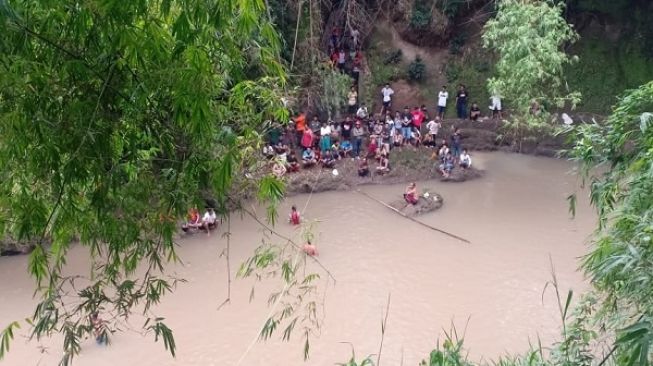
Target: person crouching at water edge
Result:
[[193, 220], [411, 194], [209, 221], [294, 217], [465, 160], [310, 249]]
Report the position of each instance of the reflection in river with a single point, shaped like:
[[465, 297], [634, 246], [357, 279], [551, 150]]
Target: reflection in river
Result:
[[515, 217]]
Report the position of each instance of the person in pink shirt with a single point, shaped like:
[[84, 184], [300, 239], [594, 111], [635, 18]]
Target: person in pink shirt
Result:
[[418, 117]]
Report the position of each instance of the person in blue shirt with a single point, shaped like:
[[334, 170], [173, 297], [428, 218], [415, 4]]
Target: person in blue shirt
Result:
[[308, 157], [346, 148]]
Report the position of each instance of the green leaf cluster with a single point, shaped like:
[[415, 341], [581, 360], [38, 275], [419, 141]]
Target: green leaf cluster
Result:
[[528, 37], [115, 117]]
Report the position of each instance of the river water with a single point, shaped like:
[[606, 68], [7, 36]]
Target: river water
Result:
[[516, 218]]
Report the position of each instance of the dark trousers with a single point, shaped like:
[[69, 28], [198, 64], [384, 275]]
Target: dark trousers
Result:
[[358, 142], [461, 108]]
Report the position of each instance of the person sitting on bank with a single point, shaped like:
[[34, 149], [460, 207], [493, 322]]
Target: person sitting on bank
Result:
[[308, 158], [411, 194], [428, 140], [294, 217], [384, 164], [327, 160], [279, 168], [372, 148], [268, 151], [443, 151], [363, 168], [465, 160], [292, 165], [193, 220], [447, 165], [336, 150], [346, 148], [310, 249], [474, 112]]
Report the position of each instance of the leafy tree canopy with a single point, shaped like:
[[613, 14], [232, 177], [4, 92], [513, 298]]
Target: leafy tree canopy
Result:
[[114, 116], [528, 37]]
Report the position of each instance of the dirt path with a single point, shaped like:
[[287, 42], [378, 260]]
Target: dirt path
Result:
[[435, 59]]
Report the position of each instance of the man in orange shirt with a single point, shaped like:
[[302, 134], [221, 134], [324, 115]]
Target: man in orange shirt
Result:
[[300, 125]]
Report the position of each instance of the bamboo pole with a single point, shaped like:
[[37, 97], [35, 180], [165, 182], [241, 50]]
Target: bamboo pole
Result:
[[294, 48], [413, 219]]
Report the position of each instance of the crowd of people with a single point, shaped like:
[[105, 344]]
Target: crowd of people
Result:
[[365, 138]]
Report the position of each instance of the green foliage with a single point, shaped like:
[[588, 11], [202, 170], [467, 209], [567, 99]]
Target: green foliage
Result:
[[420, 17], [296, 304], [416, 70], [450, 353], [457, 43], [621, 64], [472, 70], [451, 8], [393, 56], [528, 38], [384, 66], [6, 337], [335, 86], [367, 361], [114, 117], [619, 262]]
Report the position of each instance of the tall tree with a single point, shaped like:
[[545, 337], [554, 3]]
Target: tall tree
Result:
[[114, 116], [528, 36]]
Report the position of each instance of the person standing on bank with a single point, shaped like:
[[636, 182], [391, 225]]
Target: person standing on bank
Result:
[[352, 100], [387, 93], [443, 95], [461, 102]]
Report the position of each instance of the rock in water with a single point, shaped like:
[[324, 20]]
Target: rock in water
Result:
[[428, 202]]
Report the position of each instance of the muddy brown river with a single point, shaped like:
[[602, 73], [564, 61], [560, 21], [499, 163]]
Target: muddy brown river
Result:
[[516, 218]]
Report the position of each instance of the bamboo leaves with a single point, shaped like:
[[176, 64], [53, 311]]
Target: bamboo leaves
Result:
[[6, 337], [115, 127], [162, 331], [528, 37]]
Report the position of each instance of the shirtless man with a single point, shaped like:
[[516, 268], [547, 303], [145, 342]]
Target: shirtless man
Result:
[[411, 194], [310, 249]]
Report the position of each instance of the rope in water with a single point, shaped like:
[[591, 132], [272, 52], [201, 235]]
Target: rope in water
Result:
[[412, 219]]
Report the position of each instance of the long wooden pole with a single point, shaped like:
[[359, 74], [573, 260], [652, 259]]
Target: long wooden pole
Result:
[[412, 219], [294, 48]]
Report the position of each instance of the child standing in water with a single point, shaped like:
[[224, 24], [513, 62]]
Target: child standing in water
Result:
[[294, 217]]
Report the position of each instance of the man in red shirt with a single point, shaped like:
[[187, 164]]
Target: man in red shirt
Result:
[[418, 117]]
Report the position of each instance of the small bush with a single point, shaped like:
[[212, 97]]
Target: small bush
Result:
[[452, 72], [457, 43], [417, 70], [451, 8], [421, 17], [393, 57]]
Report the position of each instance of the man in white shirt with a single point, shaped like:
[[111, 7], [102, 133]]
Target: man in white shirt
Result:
[[496, 105], [387, 93], [434, 127], [209, 220], [362, 111], [443, 95]]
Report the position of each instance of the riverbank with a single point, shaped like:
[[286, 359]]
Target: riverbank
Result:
[[417, 164], [407, 165]]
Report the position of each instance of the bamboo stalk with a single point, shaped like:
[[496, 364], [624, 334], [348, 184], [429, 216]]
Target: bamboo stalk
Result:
[[413, 219]]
